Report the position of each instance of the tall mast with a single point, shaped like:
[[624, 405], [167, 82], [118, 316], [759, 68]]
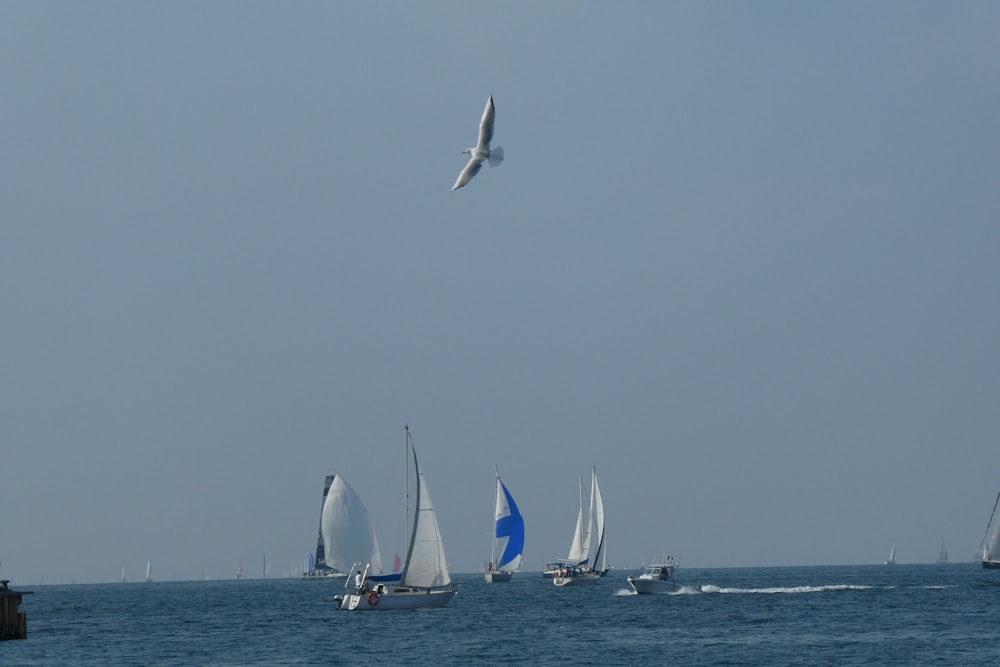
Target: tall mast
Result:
[[406, 486], [496, 500], [986, 544]]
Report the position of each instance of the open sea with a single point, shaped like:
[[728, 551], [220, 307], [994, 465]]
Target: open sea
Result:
[[843, 615]]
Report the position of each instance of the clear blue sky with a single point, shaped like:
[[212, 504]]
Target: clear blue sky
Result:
[[742, 257]]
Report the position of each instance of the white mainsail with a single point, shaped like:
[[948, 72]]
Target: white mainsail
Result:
[[577, 549], [991, 540], [588, 527], [993, 550], [425, 564], [348, 534], [600, 556], [891, 560]]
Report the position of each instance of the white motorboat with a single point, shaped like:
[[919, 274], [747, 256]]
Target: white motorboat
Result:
[[656, 578]]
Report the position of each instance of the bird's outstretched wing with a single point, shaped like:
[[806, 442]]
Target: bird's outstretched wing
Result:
[[470, 170], [486, 124]]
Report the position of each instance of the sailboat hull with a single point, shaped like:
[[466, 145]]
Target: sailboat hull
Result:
[[991, 564], [583, 579], [498, 576], [324, 574], [394, 599]]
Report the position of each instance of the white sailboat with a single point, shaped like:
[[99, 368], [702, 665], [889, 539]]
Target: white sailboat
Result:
[[577, 551], [508, 537], [149, 577], [424, 581], [588, 560], [989, 548], [891, 560], [346, 533], [942, 555]]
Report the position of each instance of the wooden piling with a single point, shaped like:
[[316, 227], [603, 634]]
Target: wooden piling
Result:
[[13, 622]]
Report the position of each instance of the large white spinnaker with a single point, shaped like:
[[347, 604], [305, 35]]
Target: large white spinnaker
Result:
[[348, 534]]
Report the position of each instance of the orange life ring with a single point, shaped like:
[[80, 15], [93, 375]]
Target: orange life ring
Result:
[[373, 599]]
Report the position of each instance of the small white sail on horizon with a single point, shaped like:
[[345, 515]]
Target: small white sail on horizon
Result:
[[891, 560], [942, 555]]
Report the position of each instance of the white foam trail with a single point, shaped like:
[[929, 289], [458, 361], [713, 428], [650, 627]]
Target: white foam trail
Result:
[[709, 588], [688, 590], [625, 591]]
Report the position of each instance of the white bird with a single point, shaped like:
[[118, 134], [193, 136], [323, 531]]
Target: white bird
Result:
[[481, 151]]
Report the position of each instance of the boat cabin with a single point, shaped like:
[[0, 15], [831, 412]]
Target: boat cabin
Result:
[[657, 572]]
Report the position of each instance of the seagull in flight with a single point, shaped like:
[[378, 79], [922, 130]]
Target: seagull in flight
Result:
[[481, 151]]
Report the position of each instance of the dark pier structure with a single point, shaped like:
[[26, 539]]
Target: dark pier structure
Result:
[[13, 622]]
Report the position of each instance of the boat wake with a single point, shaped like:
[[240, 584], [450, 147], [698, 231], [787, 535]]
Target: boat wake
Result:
[[683, 590], [689, 590], [709, 588]]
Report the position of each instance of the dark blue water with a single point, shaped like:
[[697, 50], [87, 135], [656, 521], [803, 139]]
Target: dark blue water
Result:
[[857, 615]]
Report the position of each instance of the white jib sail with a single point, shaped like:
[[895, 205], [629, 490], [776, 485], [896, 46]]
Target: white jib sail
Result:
[[600, 559], [425, 564], [577, 551]]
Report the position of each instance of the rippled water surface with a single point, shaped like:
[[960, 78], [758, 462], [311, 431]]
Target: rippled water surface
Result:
[[857, 615]]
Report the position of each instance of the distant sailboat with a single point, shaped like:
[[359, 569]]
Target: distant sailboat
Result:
[[942, 555], [149, 577], [588, 559], [891, 560], [508, 537], [123, 575], [989, 548]]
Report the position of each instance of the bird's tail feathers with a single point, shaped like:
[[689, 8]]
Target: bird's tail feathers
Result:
[[496, 156]]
